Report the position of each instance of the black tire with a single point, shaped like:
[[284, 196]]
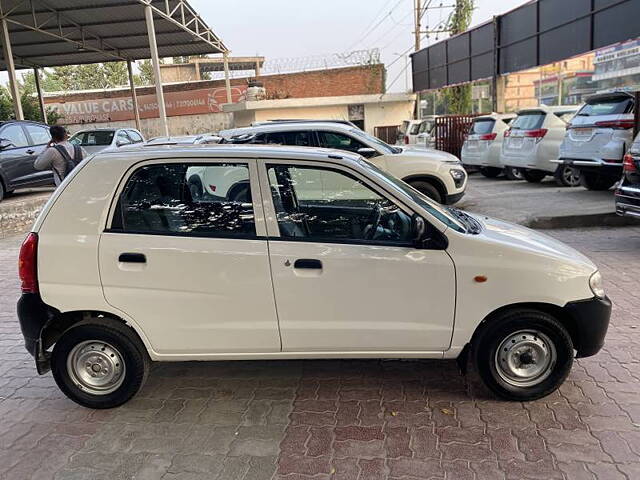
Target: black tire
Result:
[[2, 191], [131, 350], [533, 176], [567, 176], [593, 181], [513, 173], [428, 189], [490, 172], [533, 325], [195, 188]]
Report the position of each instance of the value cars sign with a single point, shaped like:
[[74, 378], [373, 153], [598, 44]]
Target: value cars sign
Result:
[[186, 102]]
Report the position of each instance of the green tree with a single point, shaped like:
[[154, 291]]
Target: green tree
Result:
[[458, 99], [145, 73], [90, 76]]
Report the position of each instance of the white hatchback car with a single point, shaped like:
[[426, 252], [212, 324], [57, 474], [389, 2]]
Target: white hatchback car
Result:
[[95, 140], [326, 257], [482, 146], [532, 142]]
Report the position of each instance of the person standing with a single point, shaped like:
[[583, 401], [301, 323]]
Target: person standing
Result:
[[60, 156]]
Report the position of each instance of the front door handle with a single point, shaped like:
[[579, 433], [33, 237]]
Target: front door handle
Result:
[[129, 257], [30, 152], [308, 263]]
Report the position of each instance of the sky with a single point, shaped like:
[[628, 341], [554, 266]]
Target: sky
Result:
[[278, 29], [300, 28]]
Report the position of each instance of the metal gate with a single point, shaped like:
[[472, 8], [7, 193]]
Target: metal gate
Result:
[[450, 132], [387, 134]]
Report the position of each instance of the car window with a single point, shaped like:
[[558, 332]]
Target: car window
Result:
[[529, 120], [14, 134], [606, 106], [482, 127], [320, 204], [39, 135], [340, 141], [299, 138], [426, 126], [194, 200], [93, 138], [135, 136], [122, 138], [415, 128]]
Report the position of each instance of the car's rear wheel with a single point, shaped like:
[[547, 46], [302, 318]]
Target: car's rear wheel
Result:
[[533, 176], [2, 191], [99, 363], [567, 176], [513, 173], [523, 354], [428, 189], [195, 188], [490, 172], [593, 181]]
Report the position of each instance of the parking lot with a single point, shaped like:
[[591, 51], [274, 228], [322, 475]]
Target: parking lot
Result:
[[336, 419]]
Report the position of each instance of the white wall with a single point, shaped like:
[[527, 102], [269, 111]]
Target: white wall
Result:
[[386, 114]]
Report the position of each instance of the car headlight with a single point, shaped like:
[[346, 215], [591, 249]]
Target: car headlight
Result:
[[595, 283], [458, 176]]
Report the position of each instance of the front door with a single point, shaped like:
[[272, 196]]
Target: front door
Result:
[[346, 275], [193, 272], [18, 158]]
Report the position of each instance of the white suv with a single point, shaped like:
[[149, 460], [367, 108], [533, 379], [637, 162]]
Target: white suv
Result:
[[439, 175], [326, 256]]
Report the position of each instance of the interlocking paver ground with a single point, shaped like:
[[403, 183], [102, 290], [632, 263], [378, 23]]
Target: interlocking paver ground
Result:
[[337, 420]]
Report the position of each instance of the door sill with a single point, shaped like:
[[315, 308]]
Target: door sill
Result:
[[184, 357]]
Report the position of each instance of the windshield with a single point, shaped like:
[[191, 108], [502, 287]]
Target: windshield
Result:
[[426, 203], [607, 106], [386, 148], [93, 138]]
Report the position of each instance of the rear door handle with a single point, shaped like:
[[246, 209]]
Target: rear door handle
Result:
[[128, 257], [31, 151], [308, 263]]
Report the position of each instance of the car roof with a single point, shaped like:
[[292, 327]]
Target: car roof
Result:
[[288, 126], [32, 122], [141, 152]]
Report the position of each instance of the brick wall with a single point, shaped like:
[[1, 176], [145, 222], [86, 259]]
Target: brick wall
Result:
[[362, 80]]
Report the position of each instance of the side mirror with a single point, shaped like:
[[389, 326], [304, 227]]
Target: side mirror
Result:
[[425, 237], [367, 152], [418, 228], [120, 143], [4, 143]]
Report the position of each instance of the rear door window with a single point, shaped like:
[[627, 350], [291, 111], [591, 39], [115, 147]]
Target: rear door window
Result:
[[607, 106], [482, 127], [529, 120], [296, 138]]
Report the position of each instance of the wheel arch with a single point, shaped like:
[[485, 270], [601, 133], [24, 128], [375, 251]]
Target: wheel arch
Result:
[[432, 179]]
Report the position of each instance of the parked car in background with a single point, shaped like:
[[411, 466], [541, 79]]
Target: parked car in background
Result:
[[408, 133], [20, 144], [439, 175], [95, 140], [532, 142], [483, 144], [205, 138], [330, 257], [628, 191], [597, 139], [426, 133]]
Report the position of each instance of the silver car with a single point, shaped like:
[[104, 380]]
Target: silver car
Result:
[[598, 137], [97, 139]]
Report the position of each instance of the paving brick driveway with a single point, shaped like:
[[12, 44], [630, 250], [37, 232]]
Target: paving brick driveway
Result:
[[335, 419]]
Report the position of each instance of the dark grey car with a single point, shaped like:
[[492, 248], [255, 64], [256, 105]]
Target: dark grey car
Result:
[[20, 144]]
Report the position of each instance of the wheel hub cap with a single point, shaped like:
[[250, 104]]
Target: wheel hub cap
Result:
[[525, 358], [96, 367]]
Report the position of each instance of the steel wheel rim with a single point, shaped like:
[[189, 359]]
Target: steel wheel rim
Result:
[[96, 367], [517, 173], [571, 176], [525, 358]]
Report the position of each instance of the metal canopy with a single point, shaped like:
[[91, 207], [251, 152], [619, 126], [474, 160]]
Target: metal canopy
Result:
[[69, 32]]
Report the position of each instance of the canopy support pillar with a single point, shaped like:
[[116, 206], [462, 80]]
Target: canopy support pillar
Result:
[[155, 61], [227, 81], [43, 110], [11, 70], [134, 96]]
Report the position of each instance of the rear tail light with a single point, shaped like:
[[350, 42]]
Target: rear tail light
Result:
[[507, 133], [28, 264], [537, 133], [488, 136], [617, 124], [628, 164], [406, 140]]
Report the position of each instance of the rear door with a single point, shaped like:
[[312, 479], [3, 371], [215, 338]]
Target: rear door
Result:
[[193, 273], [18, 158], [346, 275], [518, 142]]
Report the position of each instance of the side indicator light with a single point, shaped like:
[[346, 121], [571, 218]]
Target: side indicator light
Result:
[[479, 279]]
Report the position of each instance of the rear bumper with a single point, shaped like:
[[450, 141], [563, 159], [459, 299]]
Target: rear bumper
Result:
[[591, 319], [628, 201], [34, 315], [601, 166], [532, 161]]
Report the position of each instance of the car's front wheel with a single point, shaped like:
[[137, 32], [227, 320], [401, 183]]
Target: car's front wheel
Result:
[[523, 354], [99, 363], [428, 189]]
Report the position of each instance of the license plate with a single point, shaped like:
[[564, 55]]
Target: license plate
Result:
[[515, 142], [472, 144], [582, 132]]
